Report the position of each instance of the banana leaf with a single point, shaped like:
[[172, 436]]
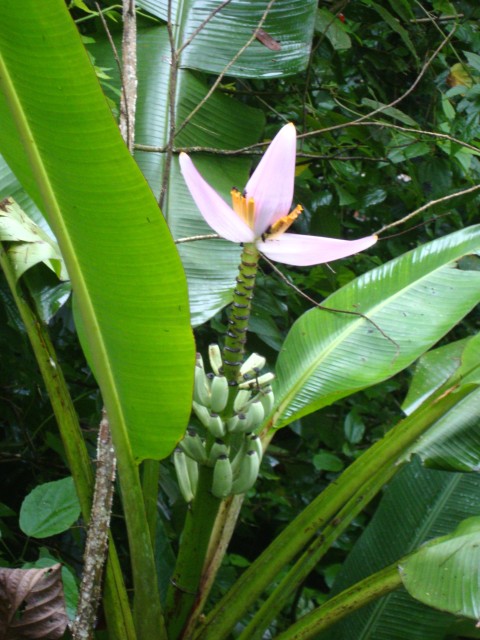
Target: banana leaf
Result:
[[413, 301], [62, 143]]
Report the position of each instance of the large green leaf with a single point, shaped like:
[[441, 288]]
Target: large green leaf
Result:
[[221, 123], [431, 503], [414, 300], [60, 139], [446, 573], [289, 23]]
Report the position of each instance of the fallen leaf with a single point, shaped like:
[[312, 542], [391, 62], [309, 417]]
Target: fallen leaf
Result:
[[32, 606]]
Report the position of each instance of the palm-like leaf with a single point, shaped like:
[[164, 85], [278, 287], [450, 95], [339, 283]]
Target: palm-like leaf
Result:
[[59, 138], [414, 300]]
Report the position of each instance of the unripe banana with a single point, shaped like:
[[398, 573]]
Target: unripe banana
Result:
[[192, 469], [239, 456], [267, 399], [252, 365], [201, 386], [241, 399], [255, 415], [232, 423], [257, 383], [202, 413], [240, 425], [184, 484], [216, 426], [218, 394], [193, 446], [215, 357], [219, 448], [222, 477], [247, 473], [255, 443]]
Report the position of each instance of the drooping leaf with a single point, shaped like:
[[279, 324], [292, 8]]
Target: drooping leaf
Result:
[[126, 274], [31, 604], [431, 504], [414, 300], [49, 509], [29, 243], [445, 574]]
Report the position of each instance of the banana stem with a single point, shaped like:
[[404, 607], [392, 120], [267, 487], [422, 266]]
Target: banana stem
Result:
[[239, 314], [185, 587]]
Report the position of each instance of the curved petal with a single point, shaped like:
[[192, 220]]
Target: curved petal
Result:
[[213, 208], [303, 251], [271, 185]]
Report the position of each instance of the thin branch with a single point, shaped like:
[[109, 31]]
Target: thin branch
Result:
[[208, 236], [226, 68], [174, 64], [437, 18], [212, 14], [97, 537], [129, 74], [428, 205], [331, 309], [391, 104]]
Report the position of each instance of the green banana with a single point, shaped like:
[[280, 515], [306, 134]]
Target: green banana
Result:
[[247, 473], [180, 463], [241, 400], [257, 383], [215, 357], [222, 477], [202, 413], [216, 426], [193, 446], [218, 394], [267, 399], [255, 415], [252, 365], [201, 386], [219, 448], [255, 443], [192, 469]]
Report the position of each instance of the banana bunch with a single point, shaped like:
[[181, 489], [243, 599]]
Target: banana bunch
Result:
[[231, 446]]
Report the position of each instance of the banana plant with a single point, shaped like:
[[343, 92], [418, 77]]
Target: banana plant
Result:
[[130, 292]]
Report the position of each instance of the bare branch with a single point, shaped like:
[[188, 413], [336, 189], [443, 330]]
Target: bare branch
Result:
[[226, 68], [208, 236], [129, 74], [432, 203], [97, 536]]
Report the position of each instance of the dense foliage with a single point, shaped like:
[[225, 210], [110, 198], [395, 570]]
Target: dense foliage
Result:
[[386, 106]]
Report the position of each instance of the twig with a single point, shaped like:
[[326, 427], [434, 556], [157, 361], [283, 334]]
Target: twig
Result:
[[129, 74], [428, 205], [437, 18], [172, 90], [97, 536], [391, 104], [208, 236], [331, 309], [212, 14], [226, 68]]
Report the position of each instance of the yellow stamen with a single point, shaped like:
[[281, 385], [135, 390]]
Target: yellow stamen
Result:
[[243, 207], [280, 226]]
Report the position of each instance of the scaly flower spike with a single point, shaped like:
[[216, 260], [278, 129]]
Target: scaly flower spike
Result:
[[259, 219]]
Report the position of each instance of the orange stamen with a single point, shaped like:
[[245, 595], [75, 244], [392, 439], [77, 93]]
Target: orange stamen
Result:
[[243, 207], [280, 226]]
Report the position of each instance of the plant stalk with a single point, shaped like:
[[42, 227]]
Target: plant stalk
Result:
[[119, 616], [360, 594], [185, 587], [253, 582]]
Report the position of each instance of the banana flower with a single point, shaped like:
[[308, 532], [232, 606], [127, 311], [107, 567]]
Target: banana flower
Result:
[[260, 215]]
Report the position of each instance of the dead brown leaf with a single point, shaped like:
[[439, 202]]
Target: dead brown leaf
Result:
[[32, 605]]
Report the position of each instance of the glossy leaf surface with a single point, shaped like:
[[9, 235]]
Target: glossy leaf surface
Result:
[[415, 300], [61, 141]]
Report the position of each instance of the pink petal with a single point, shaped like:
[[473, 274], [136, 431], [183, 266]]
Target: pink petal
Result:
[[303, 251], [271, 185], [213, 208]]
